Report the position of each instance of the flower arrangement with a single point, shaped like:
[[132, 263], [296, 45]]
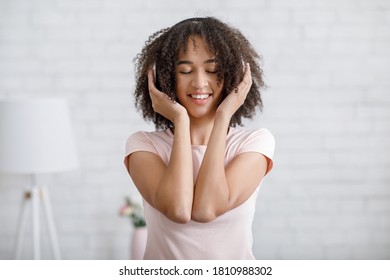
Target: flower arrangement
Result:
[[134, 211]]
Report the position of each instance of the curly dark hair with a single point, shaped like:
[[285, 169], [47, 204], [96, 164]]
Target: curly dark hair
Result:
[[230, 48]]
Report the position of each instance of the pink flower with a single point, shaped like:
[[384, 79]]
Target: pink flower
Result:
[[134, 211], [126, 210]]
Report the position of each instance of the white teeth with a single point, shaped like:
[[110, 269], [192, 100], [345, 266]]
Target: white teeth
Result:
[[199, 96]]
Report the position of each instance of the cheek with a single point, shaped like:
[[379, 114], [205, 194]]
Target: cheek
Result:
[[218, 86], [180, 90], [216, 83], [181, 85]]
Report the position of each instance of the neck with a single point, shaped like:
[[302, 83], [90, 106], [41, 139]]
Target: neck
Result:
[[200, 131]]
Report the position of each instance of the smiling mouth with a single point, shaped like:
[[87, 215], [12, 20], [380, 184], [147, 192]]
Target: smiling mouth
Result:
[[200, 96]]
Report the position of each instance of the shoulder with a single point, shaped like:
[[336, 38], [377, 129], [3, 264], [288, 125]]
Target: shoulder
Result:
[[251, 140], [148, 140], [158, 142], [261, 134], [148, 137]]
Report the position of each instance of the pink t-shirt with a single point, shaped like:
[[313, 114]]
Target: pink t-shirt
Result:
[[227, 237]]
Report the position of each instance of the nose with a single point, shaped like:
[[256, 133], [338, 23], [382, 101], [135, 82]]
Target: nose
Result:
[[199, 80]]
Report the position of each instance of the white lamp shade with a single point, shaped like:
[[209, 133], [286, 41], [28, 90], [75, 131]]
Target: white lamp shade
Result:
[[36, 136]]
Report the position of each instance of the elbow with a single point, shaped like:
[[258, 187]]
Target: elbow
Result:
[[176, 211], [179, 216], [203, 215]]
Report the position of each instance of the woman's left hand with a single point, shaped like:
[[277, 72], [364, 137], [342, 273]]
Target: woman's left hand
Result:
[[237, 97]]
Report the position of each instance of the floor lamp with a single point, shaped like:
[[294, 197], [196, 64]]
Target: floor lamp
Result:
[[36, 138]]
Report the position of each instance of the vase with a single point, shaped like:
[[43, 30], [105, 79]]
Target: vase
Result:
[[138, 243]]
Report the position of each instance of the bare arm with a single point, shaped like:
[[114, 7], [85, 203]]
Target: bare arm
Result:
[[168, 188], [219, 189]]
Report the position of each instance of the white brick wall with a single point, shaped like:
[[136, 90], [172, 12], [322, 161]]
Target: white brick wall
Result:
[[327, 64]]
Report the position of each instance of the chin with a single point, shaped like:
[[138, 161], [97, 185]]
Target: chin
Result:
[[201, 115]]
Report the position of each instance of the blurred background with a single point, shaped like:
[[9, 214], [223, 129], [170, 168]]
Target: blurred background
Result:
[[327, 64]]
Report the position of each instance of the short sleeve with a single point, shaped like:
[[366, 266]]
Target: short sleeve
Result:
[[137, 142], [261, 141]]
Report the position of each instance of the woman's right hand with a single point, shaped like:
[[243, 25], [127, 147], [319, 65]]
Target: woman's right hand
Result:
[[163, 104]]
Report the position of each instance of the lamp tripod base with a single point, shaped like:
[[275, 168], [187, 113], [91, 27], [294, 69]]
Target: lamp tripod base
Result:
[[37, 196]]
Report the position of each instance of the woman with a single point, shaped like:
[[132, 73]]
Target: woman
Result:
[[197, 173]]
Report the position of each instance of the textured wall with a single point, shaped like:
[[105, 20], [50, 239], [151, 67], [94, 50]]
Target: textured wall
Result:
[[327, 64]]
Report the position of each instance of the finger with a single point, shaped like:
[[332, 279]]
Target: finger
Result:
[[247, 72], [151, 80], [246, 81]]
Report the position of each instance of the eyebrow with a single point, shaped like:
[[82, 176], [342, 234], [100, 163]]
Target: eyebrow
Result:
[[212, 60]]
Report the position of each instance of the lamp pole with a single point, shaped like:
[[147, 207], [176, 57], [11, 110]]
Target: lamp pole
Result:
[[37, 196], [35, 218]]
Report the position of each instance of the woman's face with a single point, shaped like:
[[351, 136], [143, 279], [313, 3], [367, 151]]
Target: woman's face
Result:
[[197, 86]]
